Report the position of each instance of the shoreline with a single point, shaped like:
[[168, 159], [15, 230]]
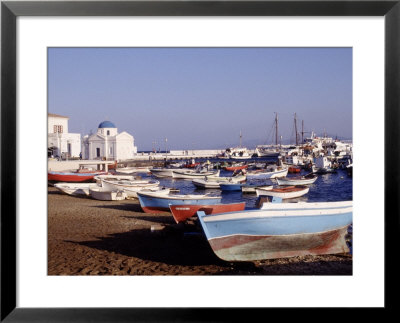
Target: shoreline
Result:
[[91, 237]]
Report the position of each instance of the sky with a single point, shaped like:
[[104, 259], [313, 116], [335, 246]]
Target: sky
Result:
[[203, 98]]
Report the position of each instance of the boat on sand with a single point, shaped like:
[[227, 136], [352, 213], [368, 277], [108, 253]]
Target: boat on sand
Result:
[[287, 192], [279, 230]]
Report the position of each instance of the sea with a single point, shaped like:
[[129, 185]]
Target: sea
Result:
[[327, 188]]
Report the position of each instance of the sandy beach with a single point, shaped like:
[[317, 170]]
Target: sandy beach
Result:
[[90, 237]]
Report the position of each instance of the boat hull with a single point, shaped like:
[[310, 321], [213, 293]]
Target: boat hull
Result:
[[230, 186], [235, 168], [155, 204], [265, 175], [279, 230], [288, 181], [75, 189], [103, 194], [72, 177], [182, 212], [193, 175], [282, 193]]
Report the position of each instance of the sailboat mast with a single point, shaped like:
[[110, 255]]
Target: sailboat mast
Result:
[[276, 129], [295, 129], [302, 131], [240, 140]]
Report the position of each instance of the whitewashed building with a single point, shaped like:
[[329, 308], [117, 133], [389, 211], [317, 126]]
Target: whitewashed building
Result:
[[60, 142], [108, 144]]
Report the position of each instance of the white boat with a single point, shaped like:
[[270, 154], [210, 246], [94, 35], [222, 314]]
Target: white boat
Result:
[[215, 182], [191, 174], [99, 178], [267, 173], [287, 192], [251, 188], [132, 170], [132, 191], [162, 172], [297, 180], [75, 188], [105, 194], [135, 184]]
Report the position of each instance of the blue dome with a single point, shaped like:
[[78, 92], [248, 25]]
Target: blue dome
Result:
[[107, 124]]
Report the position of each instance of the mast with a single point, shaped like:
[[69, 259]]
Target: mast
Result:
[[302, 131], [295, 129], [240, 140], [276, 129]]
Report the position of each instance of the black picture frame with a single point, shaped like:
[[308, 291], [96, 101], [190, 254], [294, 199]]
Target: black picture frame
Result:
[[10, 10]]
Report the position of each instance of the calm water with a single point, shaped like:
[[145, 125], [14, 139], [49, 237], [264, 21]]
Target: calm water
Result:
[[327, 188]]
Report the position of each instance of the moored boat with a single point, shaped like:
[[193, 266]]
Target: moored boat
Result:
[[80, 175], [298, 180], [183, 212], [191, 174], [230, 186], [294, 169], [153, 202], [235, 168], [75, 188], [251, 188], [266, 173], [134, 185], [279, 230], [162, 172], [215, 182], [287, 192], [105, 194], [132, 191], [133, 170]]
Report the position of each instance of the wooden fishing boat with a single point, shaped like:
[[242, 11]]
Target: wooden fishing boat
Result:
[[192, 165], [191, 174], [131, 192], [182, 212], [298, 180], [133, 170], [75, 188], [279, 230], [287, 192], [215, 182], [235, 168], [153, 202], [81, 175], [113, 177], [266, 173], [104, 194], [162, 172], [129, 186]]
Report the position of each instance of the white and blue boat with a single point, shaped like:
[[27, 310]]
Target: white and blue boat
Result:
[[230, 186], [267, 173], [154, 202], [279, 230]]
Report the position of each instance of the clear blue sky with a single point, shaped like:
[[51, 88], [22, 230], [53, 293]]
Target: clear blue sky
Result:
[[202, 98]]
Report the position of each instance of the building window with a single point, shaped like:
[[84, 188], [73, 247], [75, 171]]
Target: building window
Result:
[[58, 129], [97, 152], [108, 132]]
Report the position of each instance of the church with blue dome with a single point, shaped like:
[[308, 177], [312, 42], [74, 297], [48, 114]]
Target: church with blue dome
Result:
[[108, 144]]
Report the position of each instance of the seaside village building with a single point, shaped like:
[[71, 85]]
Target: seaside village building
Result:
[[60, 143], [108, 144]]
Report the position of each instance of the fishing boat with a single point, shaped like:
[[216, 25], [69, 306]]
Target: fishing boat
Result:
[[162, 172], [215, 182], [131, 192], [75, 188], [105, 194], [287, 192], [182, 212], [133, 170], [112, 177], [279, 230], [251, 188], [153, 202], [80, 175], [298, 180], [191, 174], [267, 173], [129, 186], [234, 168]]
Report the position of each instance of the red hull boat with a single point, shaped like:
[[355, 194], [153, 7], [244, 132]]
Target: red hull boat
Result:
[[78, 176], [191, 165], [234, 168], [183, 212]]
